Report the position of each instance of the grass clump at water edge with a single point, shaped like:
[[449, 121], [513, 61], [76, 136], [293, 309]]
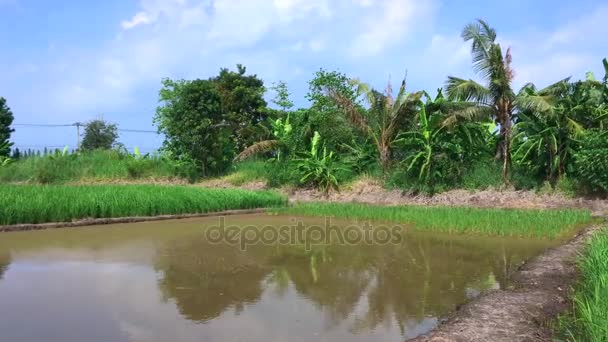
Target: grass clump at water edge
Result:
[[62, 203], [588, 320], [502, 222]]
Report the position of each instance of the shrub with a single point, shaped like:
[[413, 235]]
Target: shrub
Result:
[[482, 175]]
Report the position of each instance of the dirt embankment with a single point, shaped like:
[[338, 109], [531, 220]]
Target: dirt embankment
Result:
[[371, 191], [521, 313]]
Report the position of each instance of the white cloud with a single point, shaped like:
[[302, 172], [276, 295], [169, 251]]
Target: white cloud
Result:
[[296, 9], [590, 30], [571, 49], [141, 18], [391, 22]]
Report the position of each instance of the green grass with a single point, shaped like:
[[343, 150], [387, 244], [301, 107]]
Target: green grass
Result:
[[92, 166], [588, 320], [502, 222], [61, 203]]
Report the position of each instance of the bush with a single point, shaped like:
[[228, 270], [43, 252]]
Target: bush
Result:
[[482, 175], [591, 162], [95, 165]]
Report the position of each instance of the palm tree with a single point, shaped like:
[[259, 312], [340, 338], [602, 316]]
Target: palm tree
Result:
[[380, 124], [496, 99]]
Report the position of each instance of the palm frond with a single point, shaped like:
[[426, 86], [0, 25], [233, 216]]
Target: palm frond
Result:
[[353, 114], [605, 63], [466, 90], [535, 103], [482, 38], [472, 113], [259, 147]]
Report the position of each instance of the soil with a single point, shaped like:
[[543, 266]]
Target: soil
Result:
[[522, 313], [369, 191]]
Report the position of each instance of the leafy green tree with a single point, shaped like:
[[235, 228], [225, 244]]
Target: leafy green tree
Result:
[[99, 134], [325, 115], [191, 118], [281, 98], [6, 120], [242, 105], [387, 114]]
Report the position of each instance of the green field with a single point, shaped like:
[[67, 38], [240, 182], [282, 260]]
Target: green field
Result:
[[61, 203], [502, 222]]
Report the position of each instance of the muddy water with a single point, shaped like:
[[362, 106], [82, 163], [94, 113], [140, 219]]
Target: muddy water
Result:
[[165, 281]]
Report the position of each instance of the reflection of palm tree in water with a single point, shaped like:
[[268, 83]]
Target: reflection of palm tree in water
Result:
[[5, 261]]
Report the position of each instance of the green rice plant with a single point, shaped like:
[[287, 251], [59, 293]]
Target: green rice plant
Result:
[[502, 222], [62, 203], [588, 320]]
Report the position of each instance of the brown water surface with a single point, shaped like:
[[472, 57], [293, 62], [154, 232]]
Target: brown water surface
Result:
[[164, 281]]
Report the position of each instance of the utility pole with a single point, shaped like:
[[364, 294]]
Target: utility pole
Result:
[[78, 124]]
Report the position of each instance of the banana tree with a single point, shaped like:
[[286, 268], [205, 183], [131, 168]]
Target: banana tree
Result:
[[546, 136], [281, 131], [381, 122], [317, 167], [435, 149]]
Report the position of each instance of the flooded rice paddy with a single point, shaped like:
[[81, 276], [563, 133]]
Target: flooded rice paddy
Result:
[[165, 281]]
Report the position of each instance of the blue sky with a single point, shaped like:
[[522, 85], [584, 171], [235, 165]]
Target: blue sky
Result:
[[70, 60]]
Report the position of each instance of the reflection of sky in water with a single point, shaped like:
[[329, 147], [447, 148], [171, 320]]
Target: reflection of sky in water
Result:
[[148, 284], [85, 301]]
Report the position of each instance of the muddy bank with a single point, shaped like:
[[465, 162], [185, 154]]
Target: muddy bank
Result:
[[133, 219], [539, 293], [372, 192]]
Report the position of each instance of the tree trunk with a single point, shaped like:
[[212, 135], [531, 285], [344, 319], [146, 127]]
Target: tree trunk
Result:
[[503, 149], [385, 157], [506, 168]]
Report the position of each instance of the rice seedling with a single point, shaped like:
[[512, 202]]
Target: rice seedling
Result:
[[588, 320], [501, 222], [61, 203]]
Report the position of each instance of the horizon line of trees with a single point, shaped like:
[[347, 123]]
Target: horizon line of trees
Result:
[[425, 142]]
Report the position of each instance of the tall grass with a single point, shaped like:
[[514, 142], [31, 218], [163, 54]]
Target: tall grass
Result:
[[61, 203], [503, 222], [93, 166], [588, 320]]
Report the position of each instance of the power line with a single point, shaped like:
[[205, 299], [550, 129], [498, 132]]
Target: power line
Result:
[[78, 124], [43, 125], [136, 131]]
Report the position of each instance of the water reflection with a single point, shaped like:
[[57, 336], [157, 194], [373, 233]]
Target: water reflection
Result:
[[163, 281], [5, 261]]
